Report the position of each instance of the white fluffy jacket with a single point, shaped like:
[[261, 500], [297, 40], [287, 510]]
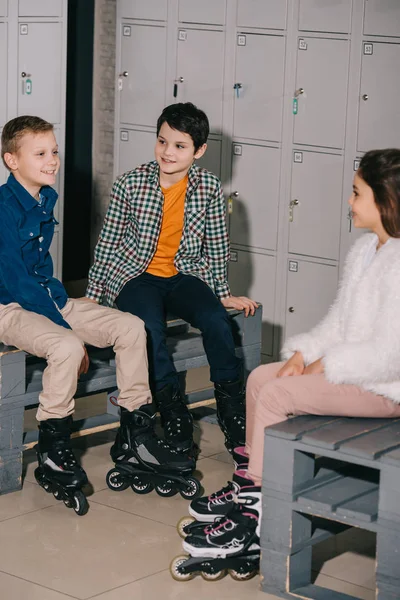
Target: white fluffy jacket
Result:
[[359, 339]]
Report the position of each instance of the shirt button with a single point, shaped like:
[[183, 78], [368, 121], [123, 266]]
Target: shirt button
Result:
[[44, 212], [40, 249], [31, 234]]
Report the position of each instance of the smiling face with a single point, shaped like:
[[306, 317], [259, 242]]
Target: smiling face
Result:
[[36, 162], [174, 153]]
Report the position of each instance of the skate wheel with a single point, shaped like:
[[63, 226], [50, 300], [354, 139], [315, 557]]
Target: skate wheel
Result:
[[182, 524], [139, 487], [42, 481], [56, 494], [81, 505], [166, 490], [115, 481], [193, 489], [175, 571], [69, 503], [213, 576], [237, 576]]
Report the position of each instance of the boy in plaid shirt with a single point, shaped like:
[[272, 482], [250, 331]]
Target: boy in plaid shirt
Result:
[[164, 248]]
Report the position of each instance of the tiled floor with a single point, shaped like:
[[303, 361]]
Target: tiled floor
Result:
[[122, 548]]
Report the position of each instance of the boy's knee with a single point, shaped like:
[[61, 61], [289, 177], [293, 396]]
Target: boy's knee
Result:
[[69, 347], [133, 327]]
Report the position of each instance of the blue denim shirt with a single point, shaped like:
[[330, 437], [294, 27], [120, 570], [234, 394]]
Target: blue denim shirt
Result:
[[26, 267]]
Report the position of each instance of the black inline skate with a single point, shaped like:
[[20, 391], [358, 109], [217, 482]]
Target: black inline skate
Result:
[[176, 419], [208, 508], [144, 461], [231, 412], [58, 471], [231, 544]]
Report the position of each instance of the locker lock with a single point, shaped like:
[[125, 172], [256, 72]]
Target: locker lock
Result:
[[299, 92], [365, 97], [124, 74], [23, 74], [235, 194], [291, 309]]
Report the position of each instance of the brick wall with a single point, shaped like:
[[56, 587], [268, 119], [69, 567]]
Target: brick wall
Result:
[[103, 110]]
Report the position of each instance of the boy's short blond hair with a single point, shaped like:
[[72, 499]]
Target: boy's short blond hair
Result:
[[15, 129]]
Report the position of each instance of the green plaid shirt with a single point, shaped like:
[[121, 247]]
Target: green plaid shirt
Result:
[[129, 237]]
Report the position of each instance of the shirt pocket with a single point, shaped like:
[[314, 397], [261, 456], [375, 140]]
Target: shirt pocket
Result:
[[195, 222], [28, 234]]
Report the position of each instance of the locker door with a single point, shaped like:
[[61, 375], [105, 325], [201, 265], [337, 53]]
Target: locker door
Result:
[[56, 255], [316, 199], [382, 17], [3, 171], [311, 289], [155, 10], [39, 70], [379, 114], [253, 275], [212, 158], [135, 148], [259, 100], [143, 61], [258, 13], [40, 8], [319, 15], [255, 185], [3, 73], [210, 12], [322, 67], [3, 8], [200, 62]]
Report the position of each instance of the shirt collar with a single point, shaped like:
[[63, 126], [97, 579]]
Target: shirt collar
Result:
[[193, 174], [26, 199]]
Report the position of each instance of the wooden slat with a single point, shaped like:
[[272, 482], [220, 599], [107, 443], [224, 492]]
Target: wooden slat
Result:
[[294, 429], [332, 435], [364, 508], [333, 494], [317, 592], [374, 444], [391, 458]]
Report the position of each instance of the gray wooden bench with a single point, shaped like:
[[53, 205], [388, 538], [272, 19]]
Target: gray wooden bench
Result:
[[21, 383], [323, 475]]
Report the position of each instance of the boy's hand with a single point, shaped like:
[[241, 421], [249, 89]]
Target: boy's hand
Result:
[[240, 303], [293, 367], [87, 299], [315, 368], [84, 364]]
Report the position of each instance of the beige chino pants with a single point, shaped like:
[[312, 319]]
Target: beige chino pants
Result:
[[64, 349]]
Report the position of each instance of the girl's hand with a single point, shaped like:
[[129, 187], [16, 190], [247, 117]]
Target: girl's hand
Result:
[[240, 303], [315, 368], [293, 367]]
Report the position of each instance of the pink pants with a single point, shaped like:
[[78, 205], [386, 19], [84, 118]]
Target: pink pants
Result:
[[270, 400]]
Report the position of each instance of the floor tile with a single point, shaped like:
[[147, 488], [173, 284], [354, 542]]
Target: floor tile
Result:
[[14, 588], [85, 556], [213, 474], [210, 438], [338, 585], [27, 500]]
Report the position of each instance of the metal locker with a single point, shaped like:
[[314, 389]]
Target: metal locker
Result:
[[315, 204], [56, 255], [39, 88], [258, 13], [253, 219], [141, 78], [3, 8], [211, 160], [252, 274], [135, 148], [153, 10], [210, 12], [200, 69], [379, 114], [382, 17], [3, 73], [311, 289], [3, 171], [40, 8], [318, 15], [320, 95], [258, 86]]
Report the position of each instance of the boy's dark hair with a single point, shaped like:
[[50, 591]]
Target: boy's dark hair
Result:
[[18, 127], [380, 169], [186, 117]]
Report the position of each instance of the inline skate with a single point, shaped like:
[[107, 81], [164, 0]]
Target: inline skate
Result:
[[176, 419], [208, 508], [145, 462], [58, 471], [231, 544], [231, 412]]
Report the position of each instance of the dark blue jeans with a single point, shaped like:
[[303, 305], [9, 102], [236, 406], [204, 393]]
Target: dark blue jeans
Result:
[[151, 298]]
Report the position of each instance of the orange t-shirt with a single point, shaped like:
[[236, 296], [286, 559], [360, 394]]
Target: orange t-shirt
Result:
[[162, 263]]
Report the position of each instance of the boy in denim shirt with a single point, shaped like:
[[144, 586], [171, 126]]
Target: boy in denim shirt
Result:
[[37, 316], [164, 248]]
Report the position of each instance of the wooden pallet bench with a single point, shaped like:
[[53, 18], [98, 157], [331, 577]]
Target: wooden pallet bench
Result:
[[322, 475], [21, 383]]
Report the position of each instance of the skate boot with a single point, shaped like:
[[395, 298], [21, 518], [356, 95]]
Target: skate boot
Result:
[[232, 543], [209, 508], [58, 471], [144, 461], [231, 412], [175, 418]]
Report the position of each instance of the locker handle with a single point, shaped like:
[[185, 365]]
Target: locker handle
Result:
[[299, 92], [292, 204], [23, 74], [124, 74], [180, 80], [291, 309], [365, 97]]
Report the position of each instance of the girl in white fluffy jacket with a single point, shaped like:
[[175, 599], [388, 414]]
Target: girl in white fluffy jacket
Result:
[[348, 365]]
